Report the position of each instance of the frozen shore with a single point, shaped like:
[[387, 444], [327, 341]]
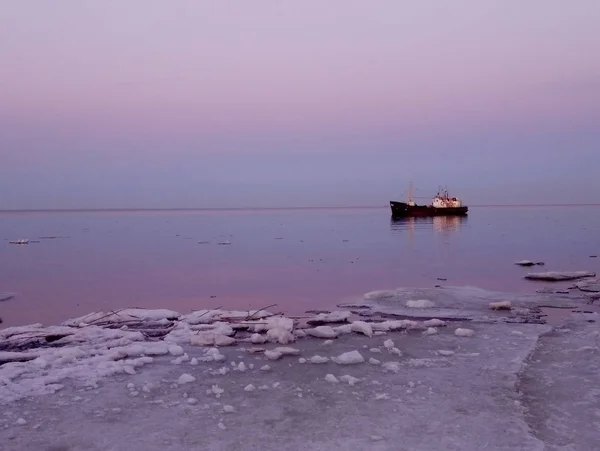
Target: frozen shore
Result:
[[408, 369]]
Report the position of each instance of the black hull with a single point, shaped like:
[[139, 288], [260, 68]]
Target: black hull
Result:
[[403, 210]]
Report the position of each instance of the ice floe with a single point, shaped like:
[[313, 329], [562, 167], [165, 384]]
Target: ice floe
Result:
[[319, 359], [322, 332], [333, 317], [557, 276]]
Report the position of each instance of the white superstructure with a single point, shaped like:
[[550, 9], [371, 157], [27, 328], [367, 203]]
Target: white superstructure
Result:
[[443, 200]]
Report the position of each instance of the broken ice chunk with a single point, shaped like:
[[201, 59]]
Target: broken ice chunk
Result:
[[258, 338], [287, 351], [502, 305], [461, 332], [362, 327], [434, 323], [349, 379], [393, 367], [331, 378], [185, 379], [273, 355], [349, 358], [319, 359], [322, 332]]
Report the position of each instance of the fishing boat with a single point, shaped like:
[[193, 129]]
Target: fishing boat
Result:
[[442, 205]]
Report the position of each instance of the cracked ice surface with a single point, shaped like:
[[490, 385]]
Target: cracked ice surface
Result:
[[461, 401], [560, 382], [458, 303], [107, 389]]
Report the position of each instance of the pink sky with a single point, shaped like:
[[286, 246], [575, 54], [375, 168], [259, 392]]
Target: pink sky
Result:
[[75, 74]]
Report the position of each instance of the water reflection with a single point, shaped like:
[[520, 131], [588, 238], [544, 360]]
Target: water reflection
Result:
[[440, 224]]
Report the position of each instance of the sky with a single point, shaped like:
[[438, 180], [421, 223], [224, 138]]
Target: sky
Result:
[[190, 103]]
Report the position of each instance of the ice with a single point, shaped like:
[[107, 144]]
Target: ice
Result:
[[280, 335], [258, 338], [461, 303], [434, 322], [351, 380], [349, 358], [486, 385], [274, 322], [149, 314], [525, 263], [322, 332], [123, 316], [211, 339], [241, 367], [298, 333], [265, 368], [393, 367], [560, 387], [273, 355], [327, 342], [519, 406], [420, 303], [216, 390], [21, 422], [175, 350], [228, 409], [318, 359], [212, 355], [211, 316], [10, 356], [502, 305], [430, 331], [394, 325], [287, 351], [343, 330], [331, 378], [6, 296], [463, 332], [389, 343], [362, 327], [185, 379], [333, 317], [301, 360], [556, 276], [249, 387]]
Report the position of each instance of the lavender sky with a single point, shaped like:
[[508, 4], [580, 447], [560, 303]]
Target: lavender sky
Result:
[[152, 103]]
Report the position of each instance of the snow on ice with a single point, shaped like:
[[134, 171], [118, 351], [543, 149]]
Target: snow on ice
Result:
[[499, 371]]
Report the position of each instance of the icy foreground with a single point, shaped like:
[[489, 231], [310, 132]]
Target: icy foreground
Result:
[[143, 380]]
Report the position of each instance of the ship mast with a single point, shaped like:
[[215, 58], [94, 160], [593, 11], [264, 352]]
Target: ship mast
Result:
[[410, 193]]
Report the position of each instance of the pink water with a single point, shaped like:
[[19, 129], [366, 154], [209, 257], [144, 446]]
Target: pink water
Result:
[[297, 259]]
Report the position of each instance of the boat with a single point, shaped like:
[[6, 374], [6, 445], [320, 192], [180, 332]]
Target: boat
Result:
[[442, 205]]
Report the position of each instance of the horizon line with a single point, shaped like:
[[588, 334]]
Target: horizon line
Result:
[[349, 207]]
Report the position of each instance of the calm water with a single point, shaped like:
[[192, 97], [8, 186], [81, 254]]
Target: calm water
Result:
[[297, 259]]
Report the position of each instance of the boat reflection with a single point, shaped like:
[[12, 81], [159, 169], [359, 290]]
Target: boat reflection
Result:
[[440, 224]]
